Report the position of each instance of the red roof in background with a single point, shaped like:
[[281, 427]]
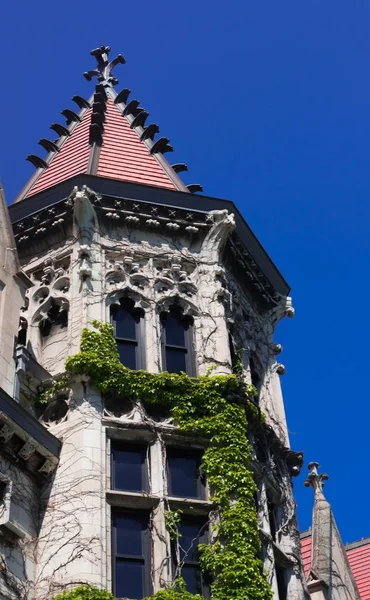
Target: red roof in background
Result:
[[359, 559], [306, 553]]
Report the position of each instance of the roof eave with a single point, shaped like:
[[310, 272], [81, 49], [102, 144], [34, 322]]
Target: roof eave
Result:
[[155, 195]]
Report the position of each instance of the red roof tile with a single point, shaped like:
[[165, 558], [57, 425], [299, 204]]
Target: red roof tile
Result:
[[119, 152], [71, 160], [123, 156], [359, 560], [306, 553]]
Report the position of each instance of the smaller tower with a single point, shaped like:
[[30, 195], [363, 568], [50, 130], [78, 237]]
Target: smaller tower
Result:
[[330, 576]]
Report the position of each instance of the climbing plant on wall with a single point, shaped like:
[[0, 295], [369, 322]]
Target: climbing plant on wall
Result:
[[215, 406], [85, 592]]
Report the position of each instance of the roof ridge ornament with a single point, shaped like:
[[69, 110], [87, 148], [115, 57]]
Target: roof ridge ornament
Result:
[[314, 479], [104, 68]]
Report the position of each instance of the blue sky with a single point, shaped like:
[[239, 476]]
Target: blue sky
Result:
[[268, 103]]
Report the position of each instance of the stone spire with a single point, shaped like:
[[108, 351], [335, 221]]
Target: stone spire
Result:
[[330, 576]]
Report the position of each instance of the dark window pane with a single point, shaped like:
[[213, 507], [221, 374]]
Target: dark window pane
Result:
[[125, 324], [193, 579], [2, 490], [175, 331], [128, 468], [189, 540], [183, 473], [129, 579], [129, 535], [127, 354], [175, 360], [282, 582]]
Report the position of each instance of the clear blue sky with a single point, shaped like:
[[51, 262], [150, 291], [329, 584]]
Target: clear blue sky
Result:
[[268, 102]]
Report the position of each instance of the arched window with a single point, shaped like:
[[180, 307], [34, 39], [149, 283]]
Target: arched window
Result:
[[127, 324], [177, 343]]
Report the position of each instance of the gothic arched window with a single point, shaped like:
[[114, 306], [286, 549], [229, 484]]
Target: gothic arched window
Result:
[[127, 324], [177, 343]]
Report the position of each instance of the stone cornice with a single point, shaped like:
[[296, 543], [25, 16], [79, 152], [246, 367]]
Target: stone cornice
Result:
[[24, 441], [154, 209]]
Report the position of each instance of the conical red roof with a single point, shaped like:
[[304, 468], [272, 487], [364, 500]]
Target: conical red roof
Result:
[[107, 138]]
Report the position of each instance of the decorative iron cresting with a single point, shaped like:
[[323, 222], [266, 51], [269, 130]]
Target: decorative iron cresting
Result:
[[104, 67]]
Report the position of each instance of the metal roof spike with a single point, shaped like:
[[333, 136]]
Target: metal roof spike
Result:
[[122, 96], [131, 107], [104, 68], [195, 187], [81, 102], [139, 120], [161, 146], [149, 132], [48, 145], [59, 129], [179, 167], [37, 162], [71, 116]]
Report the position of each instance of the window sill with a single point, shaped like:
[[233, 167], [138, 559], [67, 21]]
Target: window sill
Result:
[[138, 500], [193, 506]]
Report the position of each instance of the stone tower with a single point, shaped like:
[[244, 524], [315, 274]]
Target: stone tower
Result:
[[107, 232]]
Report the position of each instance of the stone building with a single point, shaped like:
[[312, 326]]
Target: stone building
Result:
[[333, 570], [107, 231]]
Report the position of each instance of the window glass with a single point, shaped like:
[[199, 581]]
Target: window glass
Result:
[[129, 468], [125, 324], [129, 535], [175, 360], [129, 579], [127, 353], [184, 477], [189, 540], [193, 578], [131, 555], [282, 582], [192, 533], [2, 489], [175, 331]]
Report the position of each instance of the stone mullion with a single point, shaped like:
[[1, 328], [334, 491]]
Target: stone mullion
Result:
[[160, 538]]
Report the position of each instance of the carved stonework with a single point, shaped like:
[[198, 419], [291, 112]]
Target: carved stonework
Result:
[[135, 412], [26, 451], [6, 433], [85, 226], [215, 240], [174, 275], [47, 468], [48, 299], [126, 269]]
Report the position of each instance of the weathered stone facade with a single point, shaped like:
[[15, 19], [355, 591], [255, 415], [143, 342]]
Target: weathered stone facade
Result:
[[85, 245]]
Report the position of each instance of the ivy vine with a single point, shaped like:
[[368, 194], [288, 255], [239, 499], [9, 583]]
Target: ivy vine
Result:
[[218, 408], [84, 592]]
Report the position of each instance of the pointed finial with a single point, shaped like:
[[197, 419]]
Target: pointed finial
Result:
[[104, 69], [314, 479]]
